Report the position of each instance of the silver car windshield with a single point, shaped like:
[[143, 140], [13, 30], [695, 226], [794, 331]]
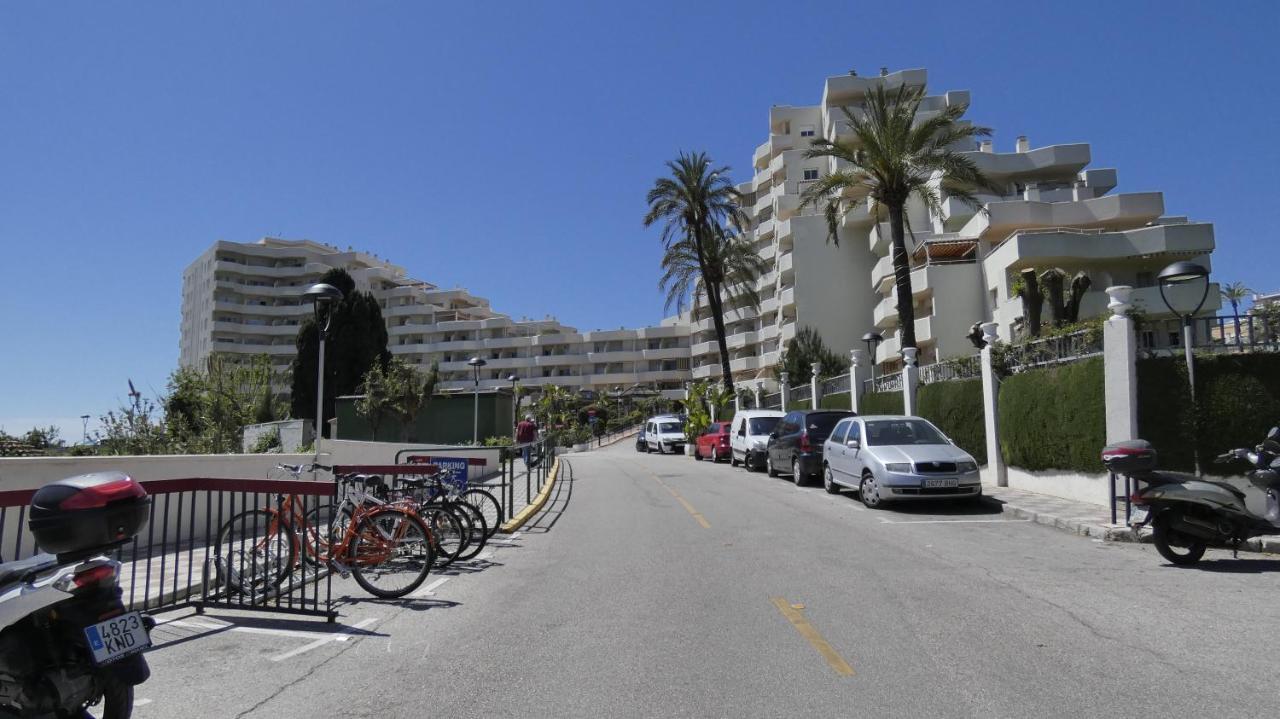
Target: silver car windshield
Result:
[[668, 427], [883, 432]]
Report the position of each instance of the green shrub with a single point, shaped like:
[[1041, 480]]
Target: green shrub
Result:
[[1238, 400], [881, 403], [266, 442], [1054, 418], [956, 408], [839, 400]]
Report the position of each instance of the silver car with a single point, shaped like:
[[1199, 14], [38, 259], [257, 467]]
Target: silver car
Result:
[[891, 457]]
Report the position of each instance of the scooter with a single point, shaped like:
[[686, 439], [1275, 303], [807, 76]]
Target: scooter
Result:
[[66, 640], [1189, 513]]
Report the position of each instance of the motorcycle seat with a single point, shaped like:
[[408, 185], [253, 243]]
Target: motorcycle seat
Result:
[[11, 572]]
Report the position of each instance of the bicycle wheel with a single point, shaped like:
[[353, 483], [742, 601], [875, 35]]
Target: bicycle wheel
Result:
[[325, 525], [479, 533], [254, 553], [391, 553], [488, 506], [446, 532]]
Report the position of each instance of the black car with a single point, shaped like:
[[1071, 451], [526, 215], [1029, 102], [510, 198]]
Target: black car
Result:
[[795, 445]]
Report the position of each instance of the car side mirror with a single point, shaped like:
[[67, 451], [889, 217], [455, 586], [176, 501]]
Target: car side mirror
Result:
[[853, 444], [773, 435]]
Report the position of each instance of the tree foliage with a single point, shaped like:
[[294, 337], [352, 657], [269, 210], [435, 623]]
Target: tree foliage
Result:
[[802, 351], [206, 410], [891, 157], [357, 339]]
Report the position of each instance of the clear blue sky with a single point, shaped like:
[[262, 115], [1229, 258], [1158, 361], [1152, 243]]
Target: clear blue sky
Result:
[[506, 147]]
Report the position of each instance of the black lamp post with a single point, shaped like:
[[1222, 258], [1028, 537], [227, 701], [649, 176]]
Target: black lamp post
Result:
[[322, 298], [476, 363], [1177, 275], [873, 340], [515, 404]]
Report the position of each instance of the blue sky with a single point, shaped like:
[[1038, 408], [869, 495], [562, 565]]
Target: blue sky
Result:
[[507, 147]]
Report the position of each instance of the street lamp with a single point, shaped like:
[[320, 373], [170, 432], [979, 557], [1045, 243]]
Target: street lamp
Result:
[[476, 363], [1178, 275], [322, 298], [515, 404], [872, 340], [84, 431]]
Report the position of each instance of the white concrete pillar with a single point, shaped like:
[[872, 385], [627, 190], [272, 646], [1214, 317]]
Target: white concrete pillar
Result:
[[910, 379], [759, 390], [785, 380], [813, 385], [996, 472], [1120, 367], [857, 360]]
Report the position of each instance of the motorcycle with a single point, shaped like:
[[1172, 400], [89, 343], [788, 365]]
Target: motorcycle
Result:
[[66, 639], [1189, 513]]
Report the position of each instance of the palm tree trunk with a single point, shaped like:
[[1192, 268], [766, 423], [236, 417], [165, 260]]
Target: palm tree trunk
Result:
[[722, 341], [902, 276], [1235, 310]]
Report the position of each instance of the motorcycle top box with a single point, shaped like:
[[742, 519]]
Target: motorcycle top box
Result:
[[1133, 456], [86, 514]]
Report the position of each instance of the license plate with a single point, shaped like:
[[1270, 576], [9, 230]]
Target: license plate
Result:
[[117, 638], [1138, 515], [952, 482]]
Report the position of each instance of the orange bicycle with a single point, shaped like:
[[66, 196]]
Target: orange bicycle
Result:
[[387, 549]]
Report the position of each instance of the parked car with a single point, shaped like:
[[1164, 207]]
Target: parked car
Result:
[[714, 443], [894, 458], [749, 436], [796, 443], [664, 434]]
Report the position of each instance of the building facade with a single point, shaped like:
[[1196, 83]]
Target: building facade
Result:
[[246, 299], [1052, 211]]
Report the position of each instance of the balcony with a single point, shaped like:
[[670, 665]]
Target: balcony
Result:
[[1054, 160], [739, 340], [559, 360], [252, 329], [858, 217], [1110, 212], [1074, 247], [264, 310], [891, 348], [615, 356], [784, 264], [879, 238], [787, 298], [703, 348], [666, 353], [744, 364], [253, 348]]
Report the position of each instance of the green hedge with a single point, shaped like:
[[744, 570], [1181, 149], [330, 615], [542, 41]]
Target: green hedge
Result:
[[881, 403], [839, 400], [956, 407], [1239, 400], [1054, 418]]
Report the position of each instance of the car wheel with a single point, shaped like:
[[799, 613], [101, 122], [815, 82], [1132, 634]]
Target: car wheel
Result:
[[768, 465], [733, 459], [696, 455], [796, 475], [829, 481], [715, 455], [869, 492]]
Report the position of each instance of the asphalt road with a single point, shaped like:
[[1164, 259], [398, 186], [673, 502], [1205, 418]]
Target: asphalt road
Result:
[[657, 586]]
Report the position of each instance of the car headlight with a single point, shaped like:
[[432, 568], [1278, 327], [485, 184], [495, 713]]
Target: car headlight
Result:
[[967, 466], [899, 467]]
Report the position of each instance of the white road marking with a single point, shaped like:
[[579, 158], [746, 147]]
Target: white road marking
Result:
[[484, 556], [430, 589], [141, 702], [956, 521], [341, 636], [253, 630]]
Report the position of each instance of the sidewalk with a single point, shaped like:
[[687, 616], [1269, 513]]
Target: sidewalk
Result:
[[1088, 520]]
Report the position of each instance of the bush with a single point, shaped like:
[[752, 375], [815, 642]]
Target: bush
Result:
[[840, 400], [881, 403], [1054, 418], [1238, 399], [267, 442], [956, 408]]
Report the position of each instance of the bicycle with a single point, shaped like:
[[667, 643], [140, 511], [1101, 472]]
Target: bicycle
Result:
[[387, 549], [428, 491], [459, 490]]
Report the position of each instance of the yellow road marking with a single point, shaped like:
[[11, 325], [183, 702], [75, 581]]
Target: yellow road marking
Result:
[[795, 614], [684, 503]]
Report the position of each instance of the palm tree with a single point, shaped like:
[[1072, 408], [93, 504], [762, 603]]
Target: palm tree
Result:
[[705, 256], [1235, 293], [891, 158]]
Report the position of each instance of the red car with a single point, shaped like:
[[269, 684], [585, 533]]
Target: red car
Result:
[[714, 443]]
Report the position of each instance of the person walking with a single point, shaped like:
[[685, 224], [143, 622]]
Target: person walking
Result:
[[526, 435]]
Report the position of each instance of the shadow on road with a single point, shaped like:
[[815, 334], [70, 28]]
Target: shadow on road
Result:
[[1233, 566], [556, 504], [985, 507]]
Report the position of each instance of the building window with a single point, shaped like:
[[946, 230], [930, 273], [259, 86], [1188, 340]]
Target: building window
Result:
[[806, 131], [1148, 339], [810, 173]]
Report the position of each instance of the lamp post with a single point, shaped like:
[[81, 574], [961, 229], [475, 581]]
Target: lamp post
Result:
[[872, 340], [476, 363], [1177, 275], [84, 431], [322, 298], [515, 404]]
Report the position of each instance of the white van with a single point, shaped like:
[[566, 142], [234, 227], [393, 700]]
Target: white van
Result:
[[749, 435], [664, 433]]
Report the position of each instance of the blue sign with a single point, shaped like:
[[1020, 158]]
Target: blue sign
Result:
[[453, 470]]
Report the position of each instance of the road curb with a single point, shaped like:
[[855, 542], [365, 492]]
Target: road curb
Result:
[[523, 515], [1108, 533]]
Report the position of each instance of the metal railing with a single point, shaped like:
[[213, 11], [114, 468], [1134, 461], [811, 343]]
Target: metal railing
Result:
[[773, 400], [891, 382], [1255, 333], [953, 369], [1053, 350], [834, 385], [801, 393]]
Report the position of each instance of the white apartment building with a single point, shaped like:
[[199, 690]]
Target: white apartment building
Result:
[[245, 298], [1052, 212]]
